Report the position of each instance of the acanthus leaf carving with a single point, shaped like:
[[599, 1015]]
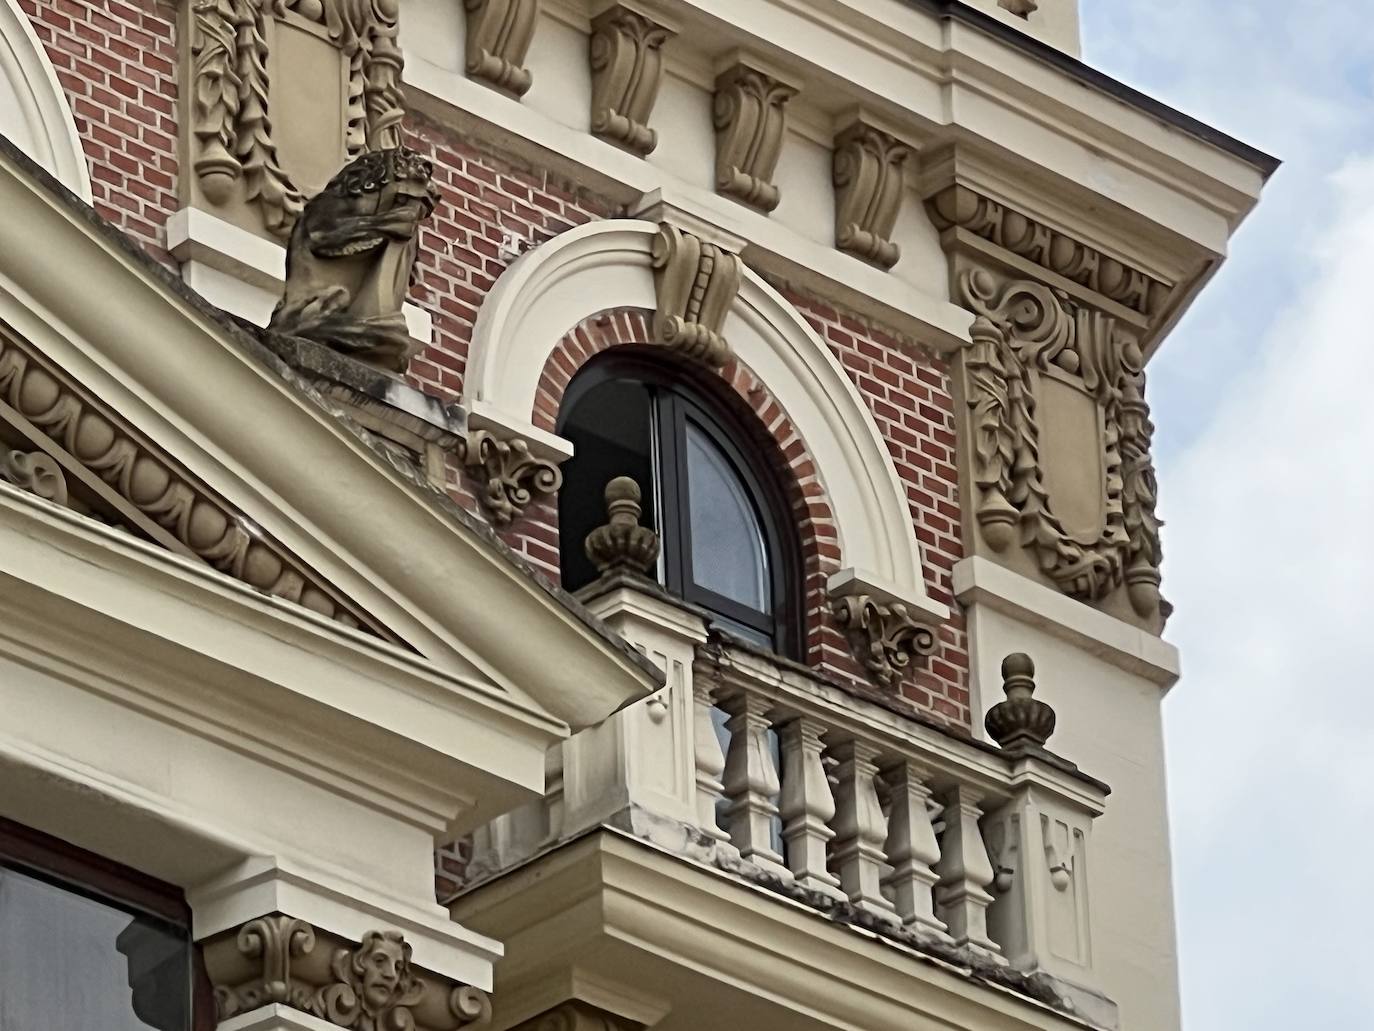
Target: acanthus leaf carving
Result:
[[869, 183], [696, 282], [231, 93], [512, 474], [885, 637], [750, 115], [1027, 331], [627, 70], [499, 33]]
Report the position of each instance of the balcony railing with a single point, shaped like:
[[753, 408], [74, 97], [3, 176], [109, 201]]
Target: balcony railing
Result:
[[766, 770]]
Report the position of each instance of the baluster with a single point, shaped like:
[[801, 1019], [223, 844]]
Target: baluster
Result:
[[912, 849], [860, 828], [965, 871], [710, 760], [751, 782], [807, 806]]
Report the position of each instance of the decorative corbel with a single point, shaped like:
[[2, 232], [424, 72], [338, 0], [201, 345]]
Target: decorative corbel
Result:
[[371, 986], [696, 281], [884, 636], [627, 70], [35, 472], [750, 114], [869, 169], [498, 40], [622, 544], [512, 474]]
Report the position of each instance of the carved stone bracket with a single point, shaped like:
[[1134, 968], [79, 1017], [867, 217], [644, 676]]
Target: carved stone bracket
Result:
[[512, 475], [371, 986], [869, 183], [1031, 339], [627, 70], [498, 40], [1020, 8], [576, 1015], [885, 637], [350, 256], [124, 480], [35, 472], [231, 112], [696, 281], [750, 114], [960, 207]]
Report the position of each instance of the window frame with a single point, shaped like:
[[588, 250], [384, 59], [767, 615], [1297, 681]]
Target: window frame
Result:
[[677, 397]]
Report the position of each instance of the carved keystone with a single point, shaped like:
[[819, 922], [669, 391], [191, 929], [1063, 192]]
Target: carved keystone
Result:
[[750, 114], [1022, 723], [349, 259], [627, 70], [885, 637], [498, 40], [371, 986], [513, 475], [622, 544], [869, 183], [696, 282]]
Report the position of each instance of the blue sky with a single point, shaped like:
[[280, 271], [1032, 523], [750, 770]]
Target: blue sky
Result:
[[1264, 398]]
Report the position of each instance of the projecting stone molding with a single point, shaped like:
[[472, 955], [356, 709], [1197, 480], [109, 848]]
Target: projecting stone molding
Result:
[[626, 54]]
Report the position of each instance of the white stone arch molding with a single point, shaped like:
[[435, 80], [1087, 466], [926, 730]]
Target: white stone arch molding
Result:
[[607, 264], [33, 109]]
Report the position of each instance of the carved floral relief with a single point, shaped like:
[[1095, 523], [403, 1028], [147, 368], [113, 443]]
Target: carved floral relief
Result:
[[233, 98]]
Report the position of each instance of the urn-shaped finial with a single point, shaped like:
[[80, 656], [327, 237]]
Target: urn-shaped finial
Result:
[[1021, 722], [622, 544]]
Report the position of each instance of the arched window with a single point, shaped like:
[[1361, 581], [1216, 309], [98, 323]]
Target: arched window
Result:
[[728, 544]]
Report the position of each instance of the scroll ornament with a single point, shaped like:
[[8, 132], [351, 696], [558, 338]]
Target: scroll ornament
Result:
[[35, 472], [230, 109], [513, 476], [750, 115], [885, 638], [370, 987], [350, 256], [627, 70], [1024, 330], [498, 40], [868, 172], [696, 282]]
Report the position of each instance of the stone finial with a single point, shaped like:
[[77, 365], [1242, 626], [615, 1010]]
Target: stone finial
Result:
[[622, 544], [1021, 723], [350, 255]]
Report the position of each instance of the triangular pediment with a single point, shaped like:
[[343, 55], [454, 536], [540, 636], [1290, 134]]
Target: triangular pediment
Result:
[[128, 399]]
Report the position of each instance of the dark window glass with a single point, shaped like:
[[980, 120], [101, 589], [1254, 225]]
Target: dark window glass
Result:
[[727, 544], [73, 961]]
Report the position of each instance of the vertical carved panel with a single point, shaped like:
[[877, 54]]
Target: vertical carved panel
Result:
[[498, 40], [869, 168], [627, 70], [750, 115]]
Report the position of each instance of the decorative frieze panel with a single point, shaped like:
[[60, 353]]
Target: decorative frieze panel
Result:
[[349, 259], [512, 474], [1059, 439], [962, 208], [267, 123], [696, 281], [869, 172], [499, 33], [82, 448], [371, 986], [627, 70], [750, 114], [885, 637]]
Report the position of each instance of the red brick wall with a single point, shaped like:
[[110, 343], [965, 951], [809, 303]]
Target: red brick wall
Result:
[[116, 60]]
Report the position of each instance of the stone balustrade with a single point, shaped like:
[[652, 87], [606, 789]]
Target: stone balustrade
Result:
[[760, 768]]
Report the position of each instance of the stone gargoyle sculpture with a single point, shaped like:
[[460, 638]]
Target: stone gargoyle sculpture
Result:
[[350, 255]]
